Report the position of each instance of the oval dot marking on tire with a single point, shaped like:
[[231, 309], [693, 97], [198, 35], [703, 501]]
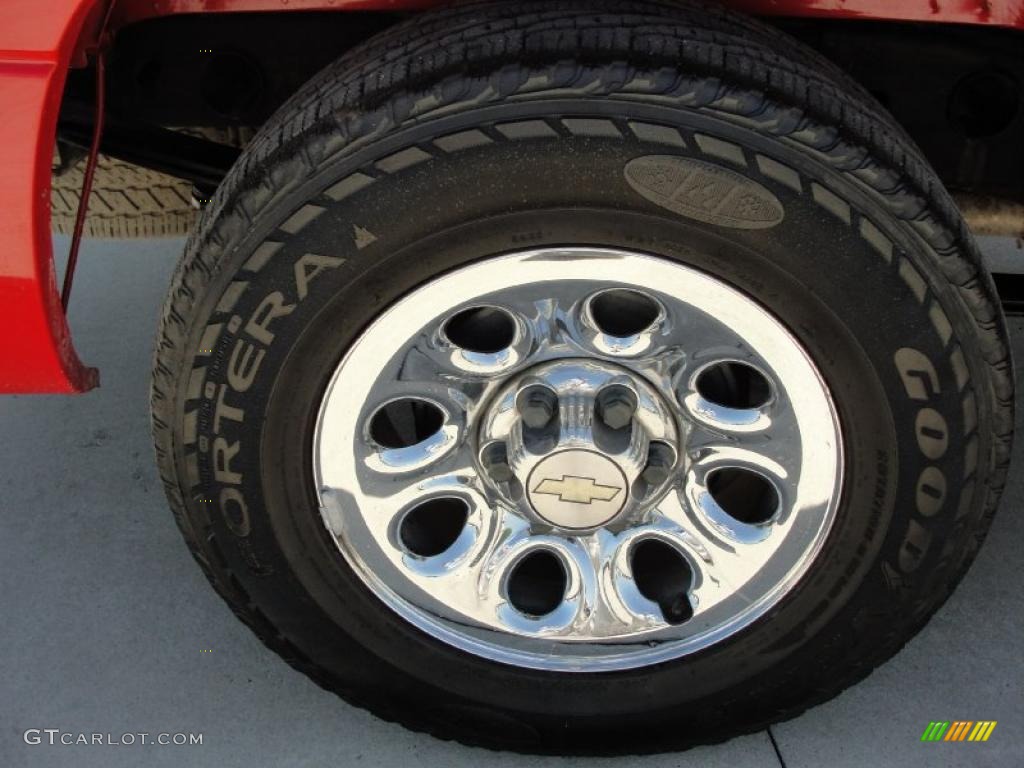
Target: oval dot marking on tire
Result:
[[704, 191]]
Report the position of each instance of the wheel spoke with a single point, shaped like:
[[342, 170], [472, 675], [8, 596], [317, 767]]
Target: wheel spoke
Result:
[[768, 439], [386, 486]]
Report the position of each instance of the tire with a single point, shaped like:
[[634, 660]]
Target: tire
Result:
[[130, 201], [497, 128], [126, 202]]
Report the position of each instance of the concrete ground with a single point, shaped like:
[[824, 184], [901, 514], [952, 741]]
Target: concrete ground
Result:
[[107, 625]]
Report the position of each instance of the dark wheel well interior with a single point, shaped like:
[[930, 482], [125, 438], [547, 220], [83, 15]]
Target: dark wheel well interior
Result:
[[957, 90]]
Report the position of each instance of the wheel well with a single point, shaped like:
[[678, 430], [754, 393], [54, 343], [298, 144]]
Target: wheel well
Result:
[[956, 90]]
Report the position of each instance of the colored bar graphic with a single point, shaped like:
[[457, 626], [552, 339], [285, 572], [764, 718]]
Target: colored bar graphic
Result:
[[958, 730], [982, 730]]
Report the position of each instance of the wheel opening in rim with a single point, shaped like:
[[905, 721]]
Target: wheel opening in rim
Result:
[[744, 495], [430, 528], [622, 313], [485, 330], [405, 422], [663, 576], [537, 583], [734, 385]]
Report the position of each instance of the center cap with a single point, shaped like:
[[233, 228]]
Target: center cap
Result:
[[579, 444], [577, 488]]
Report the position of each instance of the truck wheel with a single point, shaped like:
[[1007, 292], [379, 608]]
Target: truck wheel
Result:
[[582, 377]]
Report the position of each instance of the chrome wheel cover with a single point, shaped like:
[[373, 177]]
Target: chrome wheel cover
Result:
[[514, 454]]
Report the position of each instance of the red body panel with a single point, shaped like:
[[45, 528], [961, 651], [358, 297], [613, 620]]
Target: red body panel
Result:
[[37, 41], [1001, 13], [40, 40], [1006, 13]]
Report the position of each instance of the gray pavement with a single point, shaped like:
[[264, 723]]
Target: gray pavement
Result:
[[106, 624]]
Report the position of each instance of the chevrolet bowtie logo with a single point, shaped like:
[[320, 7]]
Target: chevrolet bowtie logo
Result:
[[578, 490]]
